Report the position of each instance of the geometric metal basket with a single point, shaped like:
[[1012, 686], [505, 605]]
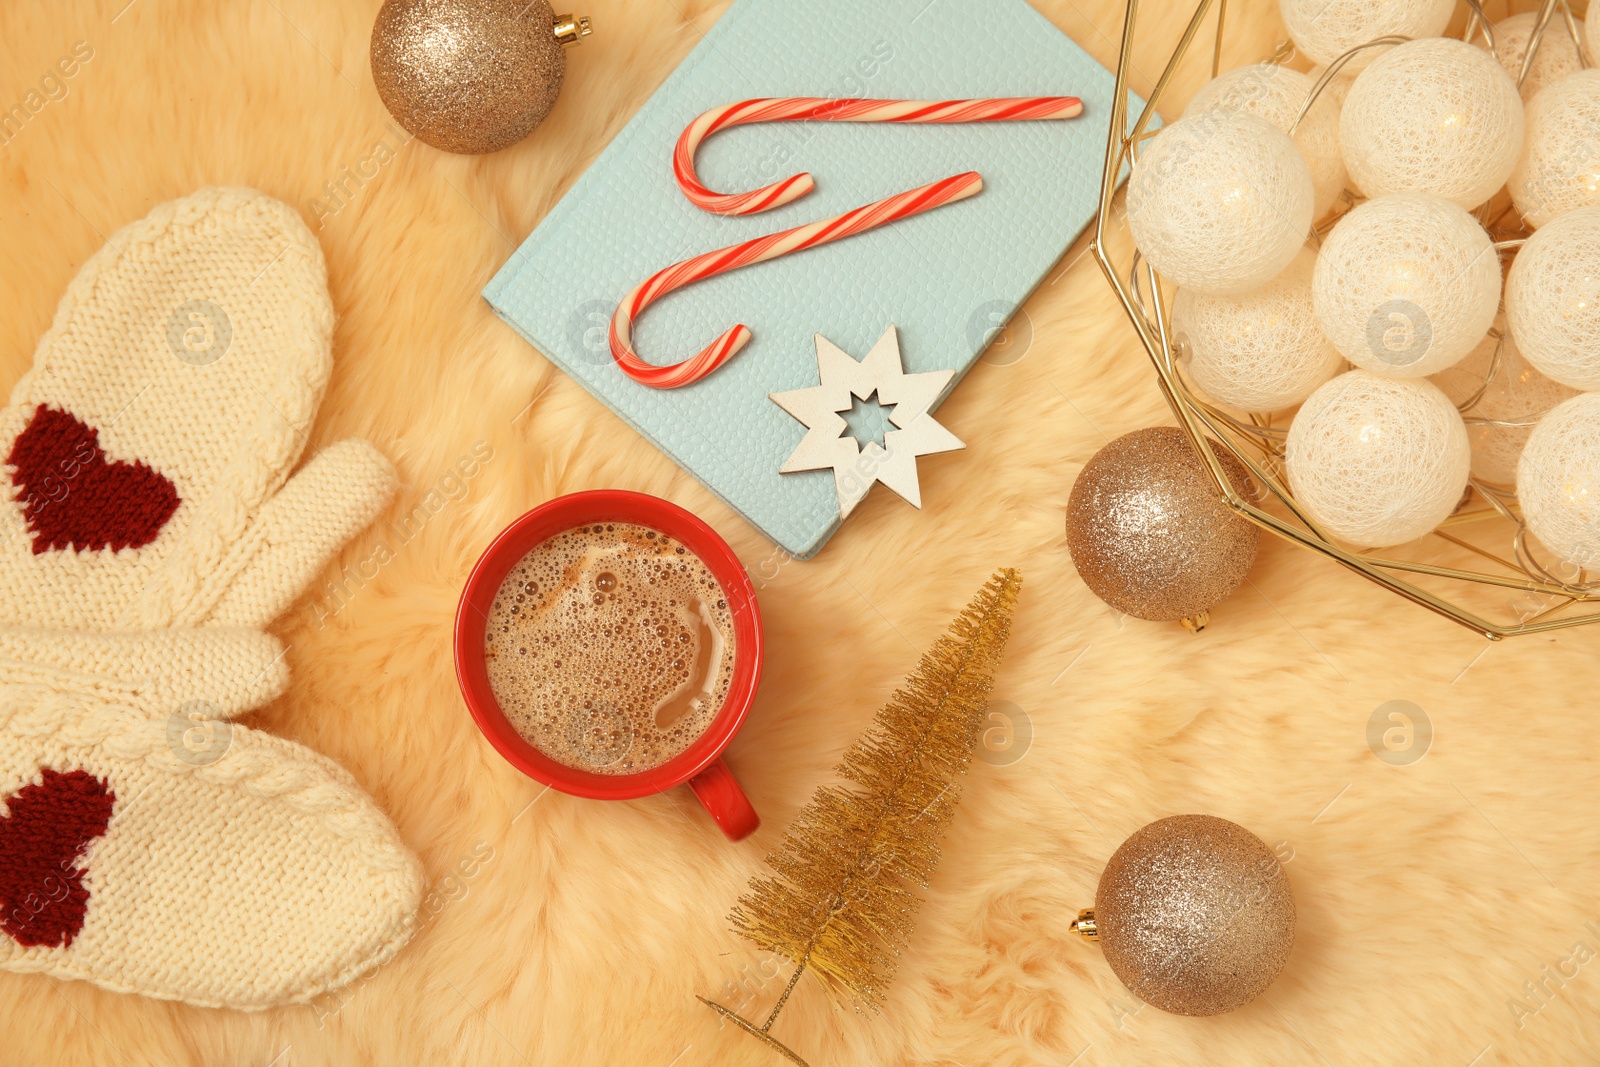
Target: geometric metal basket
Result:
[[1479, 568]]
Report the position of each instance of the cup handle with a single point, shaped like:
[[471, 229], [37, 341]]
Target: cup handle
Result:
[[722, 797]]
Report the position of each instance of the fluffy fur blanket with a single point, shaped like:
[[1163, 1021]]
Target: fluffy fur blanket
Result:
[[1447, 911]]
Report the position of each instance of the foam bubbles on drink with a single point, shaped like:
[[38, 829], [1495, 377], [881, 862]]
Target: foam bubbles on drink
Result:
[[610, 648]]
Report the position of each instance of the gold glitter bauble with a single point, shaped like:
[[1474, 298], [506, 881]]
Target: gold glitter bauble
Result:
[[1195, 915], [1148, 532], [467, 76]]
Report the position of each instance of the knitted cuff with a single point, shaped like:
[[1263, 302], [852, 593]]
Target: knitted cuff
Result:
[[215, 672]]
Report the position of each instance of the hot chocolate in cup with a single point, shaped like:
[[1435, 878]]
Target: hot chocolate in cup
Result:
[[608, 644], [610, 647]]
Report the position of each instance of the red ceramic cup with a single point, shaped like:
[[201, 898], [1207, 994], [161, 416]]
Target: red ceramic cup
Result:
[[701, 763]]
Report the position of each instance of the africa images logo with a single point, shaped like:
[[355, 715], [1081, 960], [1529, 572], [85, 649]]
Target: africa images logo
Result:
[[199, 332]]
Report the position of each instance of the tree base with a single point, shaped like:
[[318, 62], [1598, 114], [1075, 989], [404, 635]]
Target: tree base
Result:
[[754, 1031]]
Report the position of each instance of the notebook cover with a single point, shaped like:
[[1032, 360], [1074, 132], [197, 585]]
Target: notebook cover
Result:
[[947, 278]]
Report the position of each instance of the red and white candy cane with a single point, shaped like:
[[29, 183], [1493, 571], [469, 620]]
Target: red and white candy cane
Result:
[[759, 250], [823, 109]]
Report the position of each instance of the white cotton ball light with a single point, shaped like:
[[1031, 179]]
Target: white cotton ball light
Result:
[[1220, 202], [1377, 461], [1261, 350], [1558, 481], [1326, 29], [1593, 30], [1509, 392], [1560, 165], [1406, 285], [1557, 56], [1432, 116], [1553, 299], [1276, 94]]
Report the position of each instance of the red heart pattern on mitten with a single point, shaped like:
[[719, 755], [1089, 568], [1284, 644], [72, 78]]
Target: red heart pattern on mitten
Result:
[[43, 835], [74, 497]]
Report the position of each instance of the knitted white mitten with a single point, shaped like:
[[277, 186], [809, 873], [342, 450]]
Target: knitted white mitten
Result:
[[148, 530]]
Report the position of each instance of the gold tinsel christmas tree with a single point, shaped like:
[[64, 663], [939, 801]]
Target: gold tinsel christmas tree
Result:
[[840, 903]]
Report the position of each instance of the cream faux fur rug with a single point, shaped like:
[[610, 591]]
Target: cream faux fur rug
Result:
[[1447, 910]]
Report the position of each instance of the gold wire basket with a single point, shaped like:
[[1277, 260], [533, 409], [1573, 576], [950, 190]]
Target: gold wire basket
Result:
[[1513, 591]]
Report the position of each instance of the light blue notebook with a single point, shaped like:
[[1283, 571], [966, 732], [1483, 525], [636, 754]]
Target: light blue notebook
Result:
[[946, 278]]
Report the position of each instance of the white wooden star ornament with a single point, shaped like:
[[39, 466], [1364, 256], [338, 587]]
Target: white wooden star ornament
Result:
[[857, 468]]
